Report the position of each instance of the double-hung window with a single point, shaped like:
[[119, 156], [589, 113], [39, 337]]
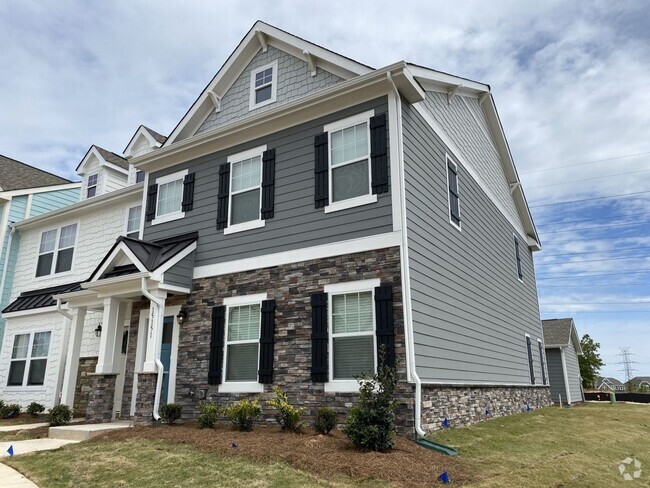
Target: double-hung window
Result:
[[56, 250], [29, 359], [133, 222], [245, 191], [454, 195], [169, 197], [520, 272], [349, 162], [263, 89], [91, 190]]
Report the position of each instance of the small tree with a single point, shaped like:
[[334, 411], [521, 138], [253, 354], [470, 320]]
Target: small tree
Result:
[[590, 361]]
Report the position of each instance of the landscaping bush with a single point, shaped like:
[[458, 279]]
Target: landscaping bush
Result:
[[35, 408], [244, 413], [370, 424], [325, 420], [209, 415], [287, 416], [60, 415], [10, 410], [170, 412]]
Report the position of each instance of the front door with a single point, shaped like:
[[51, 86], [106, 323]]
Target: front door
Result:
[[166, 356], [119, 381]]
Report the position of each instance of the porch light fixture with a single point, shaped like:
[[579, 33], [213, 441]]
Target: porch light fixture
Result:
[[182, 315], [98, 330]]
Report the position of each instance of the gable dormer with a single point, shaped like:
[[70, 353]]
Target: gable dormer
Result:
[[143, 141], [102, 171]]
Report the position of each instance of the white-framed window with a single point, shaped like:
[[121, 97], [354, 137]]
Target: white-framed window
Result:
[[56, 250], [132, 228], [245, 194], [264, 85], [169, 197], [29, 359], [91, 190], [349, 174], [352, 338], [453, 195], [139, 176], [242, 343], [520, 271]]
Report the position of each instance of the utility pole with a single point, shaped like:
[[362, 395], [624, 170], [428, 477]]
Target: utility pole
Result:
[[626, 362]]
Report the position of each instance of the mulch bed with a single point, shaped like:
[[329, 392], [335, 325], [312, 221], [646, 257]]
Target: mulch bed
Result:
[[408, 465]]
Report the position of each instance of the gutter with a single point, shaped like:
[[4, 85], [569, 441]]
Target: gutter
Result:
[[408, 324], [567, 388], [160, 308]]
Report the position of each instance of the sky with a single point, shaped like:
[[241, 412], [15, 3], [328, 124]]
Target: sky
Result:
[[570, 80]]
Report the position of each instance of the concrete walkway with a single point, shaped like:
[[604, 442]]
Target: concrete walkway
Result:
[[32, 445], [17, 427], [13, 479]]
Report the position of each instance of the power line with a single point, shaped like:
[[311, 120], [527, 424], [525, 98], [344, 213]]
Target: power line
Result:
[[596, 303], [590, 199], [605, 226], [587, 179], [586, 162], [575, 312], [594, 252], [592, 274], [602, 239], [626, 362], [595, 260], [594, 218]]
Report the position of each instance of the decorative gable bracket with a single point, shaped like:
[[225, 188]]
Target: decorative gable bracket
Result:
[[514, 186], [216, 101], [311, 62], [262, 38], [452, 93]]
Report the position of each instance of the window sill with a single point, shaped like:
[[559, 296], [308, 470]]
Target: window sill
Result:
[[253, 224], [168, 218], [342, 386], [351, 203], [53, 275], [253, 106], [241, 387], [31, 389]]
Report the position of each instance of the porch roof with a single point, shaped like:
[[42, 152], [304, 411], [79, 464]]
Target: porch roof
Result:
[[43, 297]]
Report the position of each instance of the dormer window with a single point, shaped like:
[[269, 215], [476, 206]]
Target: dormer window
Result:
[[92, 186], [263, 85]]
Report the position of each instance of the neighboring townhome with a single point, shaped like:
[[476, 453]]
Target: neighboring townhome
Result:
[[609, 384], [562, 345], [58, 251], [640, 384], [25, 192], [308, 217]]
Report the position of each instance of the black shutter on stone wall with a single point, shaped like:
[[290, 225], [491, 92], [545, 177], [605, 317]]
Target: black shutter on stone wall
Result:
[[379, 154], [541, 361], [188, 193], [530, 361], [152, 196], [268, 183], [222, 196], [319, 366], [216, 345], [321, 179], [385, 324], [266, 342]]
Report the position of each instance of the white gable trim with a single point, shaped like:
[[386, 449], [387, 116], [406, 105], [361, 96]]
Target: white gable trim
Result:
[[102, 162], [111, 260], [158, 272], [141, 132]]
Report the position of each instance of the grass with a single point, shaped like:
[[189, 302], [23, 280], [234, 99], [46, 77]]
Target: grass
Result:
[[25, 418], [23, 435], [553, 447]]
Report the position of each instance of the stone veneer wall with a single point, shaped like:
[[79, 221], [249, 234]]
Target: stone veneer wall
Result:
[[463, 406], [145, 398], [100, 397], [83, 386]]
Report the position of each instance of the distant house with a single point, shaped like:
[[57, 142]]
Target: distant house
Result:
[[609, 384], [562, 350], [640, 383], [25, 192]]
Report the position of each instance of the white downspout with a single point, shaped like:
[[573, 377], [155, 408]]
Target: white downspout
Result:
[[61, 311], [160, 305], [567, 388], [64, 351], [408, 323]]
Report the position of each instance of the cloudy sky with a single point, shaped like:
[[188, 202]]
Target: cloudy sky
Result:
[[570, 80]]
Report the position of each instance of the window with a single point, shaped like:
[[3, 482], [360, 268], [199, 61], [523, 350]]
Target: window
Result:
[[243, 322], [245, 191], [133, 222], [29, 359], [139, 176], [169, 197], [263, 85], [541, 360], [92, 186], [454, 196], [520, 272], [531, 368], [349, 162], [56, 250]]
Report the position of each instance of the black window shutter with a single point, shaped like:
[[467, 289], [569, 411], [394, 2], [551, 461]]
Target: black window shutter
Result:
[[266, 342], [321, 180], [268, 183], [379, 154], [385, 324], [541, 361], [454, 195], [152, 196], [222, 196], [530, 361], [520, 272], [319, 368], [188, 192], [216, 345]]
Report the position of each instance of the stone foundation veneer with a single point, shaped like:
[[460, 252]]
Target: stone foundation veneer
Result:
[[84, 385], [100, 397], [145, 398]]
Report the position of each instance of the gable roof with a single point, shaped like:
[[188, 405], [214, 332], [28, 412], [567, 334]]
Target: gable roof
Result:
[[107, 156], [34, 299], [637, 380], [154, 138], [559, 332], [15, 175], [612, 381], [158, 137]]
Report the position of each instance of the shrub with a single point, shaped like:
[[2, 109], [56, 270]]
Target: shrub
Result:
[[60, 415], [209, 415], [35, 408], [370, 424], [10, 410], [325, 420], [170, 412], [287, 416], [244, 413]]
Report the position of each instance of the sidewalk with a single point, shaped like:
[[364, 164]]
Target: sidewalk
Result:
[[13, 479]]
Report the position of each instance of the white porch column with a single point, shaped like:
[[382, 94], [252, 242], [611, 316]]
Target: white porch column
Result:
[[114, 312], [72, 358], [155, 330]]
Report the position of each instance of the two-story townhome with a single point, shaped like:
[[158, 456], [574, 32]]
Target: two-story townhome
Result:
[[60, 249], [309, 217], [25, 191]]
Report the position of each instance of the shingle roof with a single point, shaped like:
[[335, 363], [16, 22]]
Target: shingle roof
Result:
[[111, 157], [15, 175], [158, 137], [30, 300], [638, 379], [557, 332], [609, 379]]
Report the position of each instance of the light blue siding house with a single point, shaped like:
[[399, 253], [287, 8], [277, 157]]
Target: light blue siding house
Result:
[[25, 192]]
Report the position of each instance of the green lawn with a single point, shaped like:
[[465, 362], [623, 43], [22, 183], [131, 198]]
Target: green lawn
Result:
[[553, 447]]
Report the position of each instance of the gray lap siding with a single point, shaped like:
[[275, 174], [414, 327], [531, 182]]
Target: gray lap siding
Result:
[[573, 372], [296, 224], [556, 375], [470, 311]]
